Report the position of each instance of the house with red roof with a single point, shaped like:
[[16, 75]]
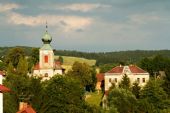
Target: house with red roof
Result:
[[3, 89], [100, 80], [134, 73]]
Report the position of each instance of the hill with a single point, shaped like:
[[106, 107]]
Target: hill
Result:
[[101, 58]]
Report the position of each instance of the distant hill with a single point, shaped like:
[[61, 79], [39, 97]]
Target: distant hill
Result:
[[102, 57]]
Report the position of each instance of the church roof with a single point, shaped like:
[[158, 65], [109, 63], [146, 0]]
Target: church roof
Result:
[[46, 38], [132, 68], [4, 89], [46, 47]]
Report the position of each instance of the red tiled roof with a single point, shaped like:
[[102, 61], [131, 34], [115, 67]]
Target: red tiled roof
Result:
[[118, 69], [58, 63], [2, 73], [37, 66], [135, 69], [29, 109], [100, 77], [4, 89]]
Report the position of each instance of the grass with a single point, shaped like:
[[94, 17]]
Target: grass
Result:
[[94, 98], [69, 61]]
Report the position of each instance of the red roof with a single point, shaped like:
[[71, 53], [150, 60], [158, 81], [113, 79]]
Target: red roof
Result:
[[28, 109], [2, 73], [133, 69], [100, 77], [4, 89], [118, 69], [37, 66]]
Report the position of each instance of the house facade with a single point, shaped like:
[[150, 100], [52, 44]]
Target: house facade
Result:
[[134, 73]]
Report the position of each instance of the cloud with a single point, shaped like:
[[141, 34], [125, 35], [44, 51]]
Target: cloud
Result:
[[144, 18], [66, 23], [8, 7], [83, 7]]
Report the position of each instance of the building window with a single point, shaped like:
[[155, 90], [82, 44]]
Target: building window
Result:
[[46, 59], [143, 80], [138, 80], [115, 80], [110, 80]]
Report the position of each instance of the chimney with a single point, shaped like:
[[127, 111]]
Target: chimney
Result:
[[22, 105]]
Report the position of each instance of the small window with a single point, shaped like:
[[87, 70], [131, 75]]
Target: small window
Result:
[[110, 80], [115, 80], [46, 75], [46, 59], [138, 80], [143, 80]]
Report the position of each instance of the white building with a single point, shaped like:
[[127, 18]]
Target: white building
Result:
[[134, 73], [3, 89], [47, 67]]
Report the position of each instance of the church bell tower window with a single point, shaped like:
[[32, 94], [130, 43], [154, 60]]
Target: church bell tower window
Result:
[[46, 59]]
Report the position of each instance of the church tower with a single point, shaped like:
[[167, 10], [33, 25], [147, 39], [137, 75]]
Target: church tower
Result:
[[47, 67], [46, 52]]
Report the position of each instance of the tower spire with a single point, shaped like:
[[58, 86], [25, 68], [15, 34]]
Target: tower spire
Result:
[[46, 26]]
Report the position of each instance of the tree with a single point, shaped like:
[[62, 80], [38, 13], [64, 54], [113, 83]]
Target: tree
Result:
[[63, 95], [35, 55], [82, 72], [136, 89], [123, 100], [60, 58], [154, 95], [125, 83], [106, 67], [22, 67], [13, 56]]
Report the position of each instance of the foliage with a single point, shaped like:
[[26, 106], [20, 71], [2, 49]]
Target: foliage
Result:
[[63, 92], [154, 96], [125, 83], [106, 67], [35, 55], [123, 100], [60, 58], [13, 56], [136, 89], [22, 67], [84, 73]]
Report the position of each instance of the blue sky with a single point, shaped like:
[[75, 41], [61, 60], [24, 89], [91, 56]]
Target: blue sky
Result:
[[87, 25]]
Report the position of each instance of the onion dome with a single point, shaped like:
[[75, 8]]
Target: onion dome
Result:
[[46, 38]]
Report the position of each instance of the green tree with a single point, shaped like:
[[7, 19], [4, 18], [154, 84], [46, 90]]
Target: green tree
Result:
[[125, 83], [60, 58], [22, 67], [63, 95], [35, 55], [154, 95], [106, 67], [123, 100], [13, 56], [136, 89], [82, 72]]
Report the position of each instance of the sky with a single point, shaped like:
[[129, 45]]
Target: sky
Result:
[[87, 25]]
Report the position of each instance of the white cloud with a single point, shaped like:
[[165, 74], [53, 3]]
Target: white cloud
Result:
[[8, 7], [83, 7], [67, 23]]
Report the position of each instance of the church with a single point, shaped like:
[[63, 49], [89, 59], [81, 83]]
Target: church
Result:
[[47, 66]]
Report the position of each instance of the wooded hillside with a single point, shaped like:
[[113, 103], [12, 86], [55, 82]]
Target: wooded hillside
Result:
[[126, 57]]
